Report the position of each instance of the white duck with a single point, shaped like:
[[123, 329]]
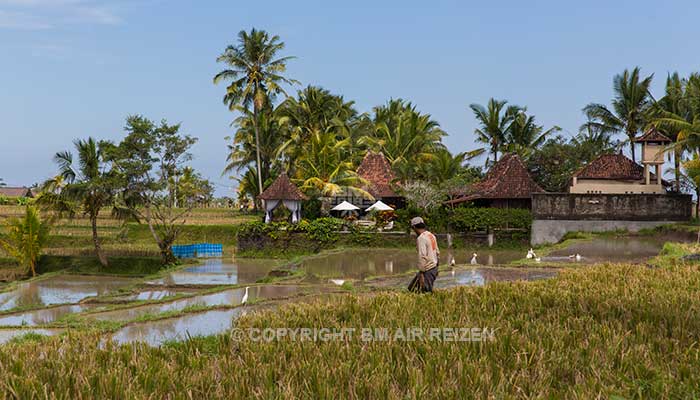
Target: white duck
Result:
[[338, 282], [530, 254], [474, 260], [245, 295]]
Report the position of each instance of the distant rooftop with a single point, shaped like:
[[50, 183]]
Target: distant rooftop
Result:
[[507, 179], [282, 189], [652, 135], [16, 191]]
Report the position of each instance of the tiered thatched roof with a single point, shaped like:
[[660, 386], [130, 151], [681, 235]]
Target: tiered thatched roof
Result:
[[507, 179], [376, 170], [16, 192], [282, 189]]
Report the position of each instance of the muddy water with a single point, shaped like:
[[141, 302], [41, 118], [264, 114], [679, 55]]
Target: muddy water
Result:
[[159, 294], [8, 334], [42, 316], [157, 332], [360, 264], [483, 276], [60, 289], [226, 298], [219, 272], [614, 249]]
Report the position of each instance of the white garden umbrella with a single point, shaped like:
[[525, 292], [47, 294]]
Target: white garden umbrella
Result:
[[379, 206], [345, 206]]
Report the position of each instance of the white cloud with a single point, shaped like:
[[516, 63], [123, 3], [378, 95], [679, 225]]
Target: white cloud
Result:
[[47, 14]]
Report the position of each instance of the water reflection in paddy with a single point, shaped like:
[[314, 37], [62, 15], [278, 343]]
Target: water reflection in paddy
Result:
[[42, 316], [614, 249], [219, 272], [60, 289], [225, 298], [373, 262], [158, 332]]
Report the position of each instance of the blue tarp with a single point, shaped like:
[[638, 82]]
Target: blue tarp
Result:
[[198, 250]]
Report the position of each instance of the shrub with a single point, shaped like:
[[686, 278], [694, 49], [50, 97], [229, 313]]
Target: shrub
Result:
[[469, 219]]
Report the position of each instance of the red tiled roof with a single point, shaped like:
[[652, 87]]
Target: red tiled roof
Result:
[[507, 179], [652, 135], [375, 169], [282, 189], [16, 192], [611, 166]]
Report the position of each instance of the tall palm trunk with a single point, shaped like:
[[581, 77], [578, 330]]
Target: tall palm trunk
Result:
[[257, 147], [677, 168], [96, 241], [632, 136]]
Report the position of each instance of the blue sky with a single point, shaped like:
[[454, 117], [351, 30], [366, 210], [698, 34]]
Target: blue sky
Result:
[[77, 68]]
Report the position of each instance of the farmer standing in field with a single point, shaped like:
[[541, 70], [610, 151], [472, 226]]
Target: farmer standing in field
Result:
[[428, 258]]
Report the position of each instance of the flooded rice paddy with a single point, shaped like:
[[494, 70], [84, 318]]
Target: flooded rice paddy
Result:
[[219, 272], [187, 289], [59, 289]]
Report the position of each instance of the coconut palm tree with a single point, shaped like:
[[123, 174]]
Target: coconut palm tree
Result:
[[630, 107], [256, 77], [25, 237], [244, 146], [524, 135], [323, 170], [675, 115], [407, 137], [87, 185], [314, 110], [494, 122]]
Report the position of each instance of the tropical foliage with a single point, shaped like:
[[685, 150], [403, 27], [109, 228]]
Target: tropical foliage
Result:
[[85, 184], [25, 238]]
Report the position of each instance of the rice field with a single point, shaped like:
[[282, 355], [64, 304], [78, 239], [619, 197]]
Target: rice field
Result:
[[73, 237], [607, 331]]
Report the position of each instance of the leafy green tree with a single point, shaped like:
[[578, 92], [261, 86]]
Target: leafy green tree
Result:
[[26, 237], [86, 185], [494, 122], [255, 75], [553, 164], [691, 179], [631, 105], [147, 160]]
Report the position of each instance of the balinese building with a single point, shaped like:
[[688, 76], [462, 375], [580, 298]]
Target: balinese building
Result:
[[617, 174], [283, 192], [376, 170], [15, 192], [508, 184]]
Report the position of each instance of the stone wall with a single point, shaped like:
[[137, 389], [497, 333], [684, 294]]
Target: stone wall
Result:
[[556, 214], [611, 207]]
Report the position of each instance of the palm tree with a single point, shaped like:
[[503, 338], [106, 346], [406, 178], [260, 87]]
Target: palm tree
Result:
[[314, 110], [244, 149], [675, 115], [26, 237], [86, 187], [324, 170], [630, 107], [407, 137], [494, 120], [524, 135], [256, 77], [691, 180]]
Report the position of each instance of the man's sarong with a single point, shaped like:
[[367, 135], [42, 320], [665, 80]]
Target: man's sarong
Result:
[[423, 281]]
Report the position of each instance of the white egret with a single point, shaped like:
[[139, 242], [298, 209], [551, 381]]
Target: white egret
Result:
[[530, 254], [473, 260], [578, 257], [338, 282], [245, 295]]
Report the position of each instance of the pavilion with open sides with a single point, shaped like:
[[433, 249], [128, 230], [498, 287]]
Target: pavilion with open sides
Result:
[[283, 192]]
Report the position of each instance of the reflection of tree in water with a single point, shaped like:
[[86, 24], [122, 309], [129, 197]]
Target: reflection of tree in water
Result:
[[29, 294]]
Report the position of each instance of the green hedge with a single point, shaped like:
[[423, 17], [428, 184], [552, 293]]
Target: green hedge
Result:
[[470, 219]]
